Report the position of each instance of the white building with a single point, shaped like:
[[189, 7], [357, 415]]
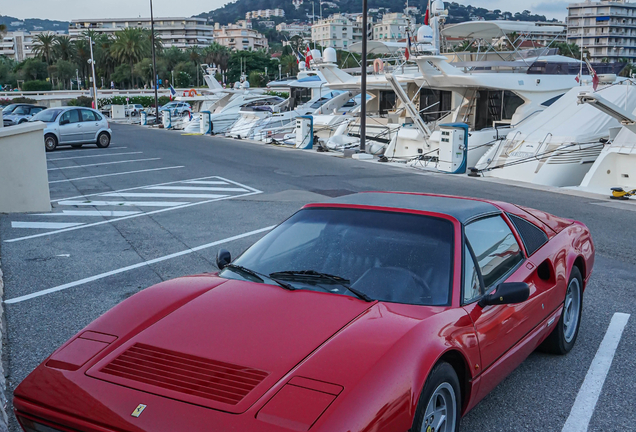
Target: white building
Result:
[[173, 31], [18, 45], [606, 28], [239, 37], [265, 13], [294, 29], [393, 27], [337, 31]]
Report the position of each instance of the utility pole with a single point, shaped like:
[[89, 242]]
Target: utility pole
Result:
[[154, 63], [363, 80], [92, 62]]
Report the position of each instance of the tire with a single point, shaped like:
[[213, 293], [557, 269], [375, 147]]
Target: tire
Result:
[[50, 142], [77, 145], [564, 335], [133, 114], [103, 140], [441, 393]]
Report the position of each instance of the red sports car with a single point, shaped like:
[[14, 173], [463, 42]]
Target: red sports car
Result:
[[384, 312]]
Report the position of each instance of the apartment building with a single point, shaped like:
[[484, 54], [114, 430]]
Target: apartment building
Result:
[[338, 31], [173, 31], [607, 29], [18, 45], [239, 37], [265, 13], [392, 27], [294, 29]]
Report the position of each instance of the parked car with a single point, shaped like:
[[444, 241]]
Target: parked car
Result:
[[74, 126], [374, 312], [133, 110], [19, 113], [181, 109]]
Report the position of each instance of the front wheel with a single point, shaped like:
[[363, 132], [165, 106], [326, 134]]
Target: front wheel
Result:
[[438, 409], [103, 140], [562, 338], [50, 143]]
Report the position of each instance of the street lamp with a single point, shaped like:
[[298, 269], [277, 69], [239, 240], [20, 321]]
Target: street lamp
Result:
[[363, 80], [154, 63], [92, 63]]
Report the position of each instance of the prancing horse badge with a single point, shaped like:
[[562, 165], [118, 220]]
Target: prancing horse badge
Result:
[[137, 412]]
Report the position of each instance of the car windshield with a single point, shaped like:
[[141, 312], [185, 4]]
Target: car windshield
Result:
[[8, 109], [21, 110], [48, 115], [387, 256]]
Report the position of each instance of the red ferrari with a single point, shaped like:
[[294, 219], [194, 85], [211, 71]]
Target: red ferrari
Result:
[[384, 312]]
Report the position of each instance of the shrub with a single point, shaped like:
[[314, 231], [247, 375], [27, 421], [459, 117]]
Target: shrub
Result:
[[82, 101], [36, 85], [18, 100]]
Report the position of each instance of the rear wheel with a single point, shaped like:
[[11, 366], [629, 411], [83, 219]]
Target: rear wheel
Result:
[[103, 140], [562, 338], [438, 409], [50, 142]]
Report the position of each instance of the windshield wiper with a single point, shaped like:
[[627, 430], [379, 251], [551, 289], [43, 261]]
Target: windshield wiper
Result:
[[313, 274], [259, 276]]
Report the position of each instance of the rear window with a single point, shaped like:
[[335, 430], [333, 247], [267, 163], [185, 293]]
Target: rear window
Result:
[[47, 115]]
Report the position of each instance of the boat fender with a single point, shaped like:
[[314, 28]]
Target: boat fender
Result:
[[378, 65]]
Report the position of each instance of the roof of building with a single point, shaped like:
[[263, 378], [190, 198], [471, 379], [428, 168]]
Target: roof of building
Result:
[[462, 209]]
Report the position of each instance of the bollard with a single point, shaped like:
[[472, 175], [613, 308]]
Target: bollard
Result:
[[206, 122], [144, 118], [304, 132], [167, 119]]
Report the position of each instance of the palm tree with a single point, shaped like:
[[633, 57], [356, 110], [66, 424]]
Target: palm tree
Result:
[[130, 46], [64, 48], [194, 55], [218, 55], [82, 55], [44, 46]]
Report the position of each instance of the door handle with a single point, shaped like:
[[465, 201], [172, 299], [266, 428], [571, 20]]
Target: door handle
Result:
[[79, 125]]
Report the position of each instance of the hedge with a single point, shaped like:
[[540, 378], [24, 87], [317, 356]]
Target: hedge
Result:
[[145, 101], [82, 101], [36, 85]]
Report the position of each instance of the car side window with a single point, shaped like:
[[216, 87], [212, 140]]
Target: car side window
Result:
[[495, 248], [72, 116], [472, 287], [88, 116], [34, 111]]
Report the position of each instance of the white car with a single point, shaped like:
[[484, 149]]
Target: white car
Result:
[[181, 109], [74, 126], [133, 110]]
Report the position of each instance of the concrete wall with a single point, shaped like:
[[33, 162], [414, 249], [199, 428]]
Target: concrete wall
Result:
[[24, 179]]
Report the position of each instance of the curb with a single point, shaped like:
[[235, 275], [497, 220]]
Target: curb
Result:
[[4, 420]]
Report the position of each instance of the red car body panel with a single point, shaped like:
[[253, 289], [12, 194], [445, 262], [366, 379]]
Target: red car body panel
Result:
[[328, 362]]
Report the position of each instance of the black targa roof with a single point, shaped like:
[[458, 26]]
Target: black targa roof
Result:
[[464, 210]]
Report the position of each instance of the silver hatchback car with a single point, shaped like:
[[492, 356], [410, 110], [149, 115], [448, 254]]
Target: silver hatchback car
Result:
[[74, 126]]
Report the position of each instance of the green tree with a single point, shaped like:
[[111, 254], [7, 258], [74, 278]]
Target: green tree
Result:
[[130, 46], [121, 75], [33, 69], [65, 71], [289, 65], [217, 54], [195, 56], [64, 48], [44, 46]]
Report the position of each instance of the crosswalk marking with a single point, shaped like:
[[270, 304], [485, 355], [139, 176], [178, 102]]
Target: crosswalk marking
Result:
[[102, 163], [197, 188], [161, 195], [123, 203], [44, 225], [206, 182], [93, 156], [99, 213]]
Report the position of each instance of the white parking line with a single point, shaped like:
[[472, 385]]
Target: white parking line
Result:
[[103, 163], [162, 195], [116, 174], [204, 182], [43, 225], [590, 390], [88, 149], [93, 156], [197, 188], [178, 207], [123, 203], [134, 266], [98, 213]]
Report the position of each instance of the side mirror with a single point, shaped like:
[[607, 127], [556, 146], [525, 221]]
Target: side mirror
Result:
[[507, 293], [223, 258], [63, 122]]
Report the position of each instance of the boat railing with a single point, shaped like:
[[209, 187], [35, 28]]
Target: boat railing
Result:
[[540, 146]]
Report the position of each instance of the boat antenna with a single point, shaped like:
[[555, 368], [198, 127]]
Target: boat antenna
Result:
[[581, 64], [363, 80]]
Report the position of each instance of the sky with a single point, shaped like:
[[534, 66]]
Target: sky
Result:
[[67, 10]]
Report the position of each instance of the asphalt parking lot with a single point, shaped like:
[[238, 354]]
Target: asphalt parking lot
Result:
[[156, 205]]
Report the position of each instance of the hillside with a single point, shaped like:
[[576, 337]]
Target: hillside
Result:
[[457, 12], [32, 24]]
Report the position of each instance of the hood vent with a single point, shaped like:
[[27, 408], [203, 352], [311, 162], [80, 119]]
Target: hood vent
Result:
[[222, 382]]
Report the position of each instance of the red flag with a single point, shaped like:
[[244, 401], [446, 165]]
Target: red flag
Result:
[[577, 79], [308, 57], [426, 19], [407, 54]]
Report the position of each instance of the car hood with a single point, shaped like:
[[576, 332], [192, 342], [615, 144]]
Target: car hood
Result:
[[227, 347]]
